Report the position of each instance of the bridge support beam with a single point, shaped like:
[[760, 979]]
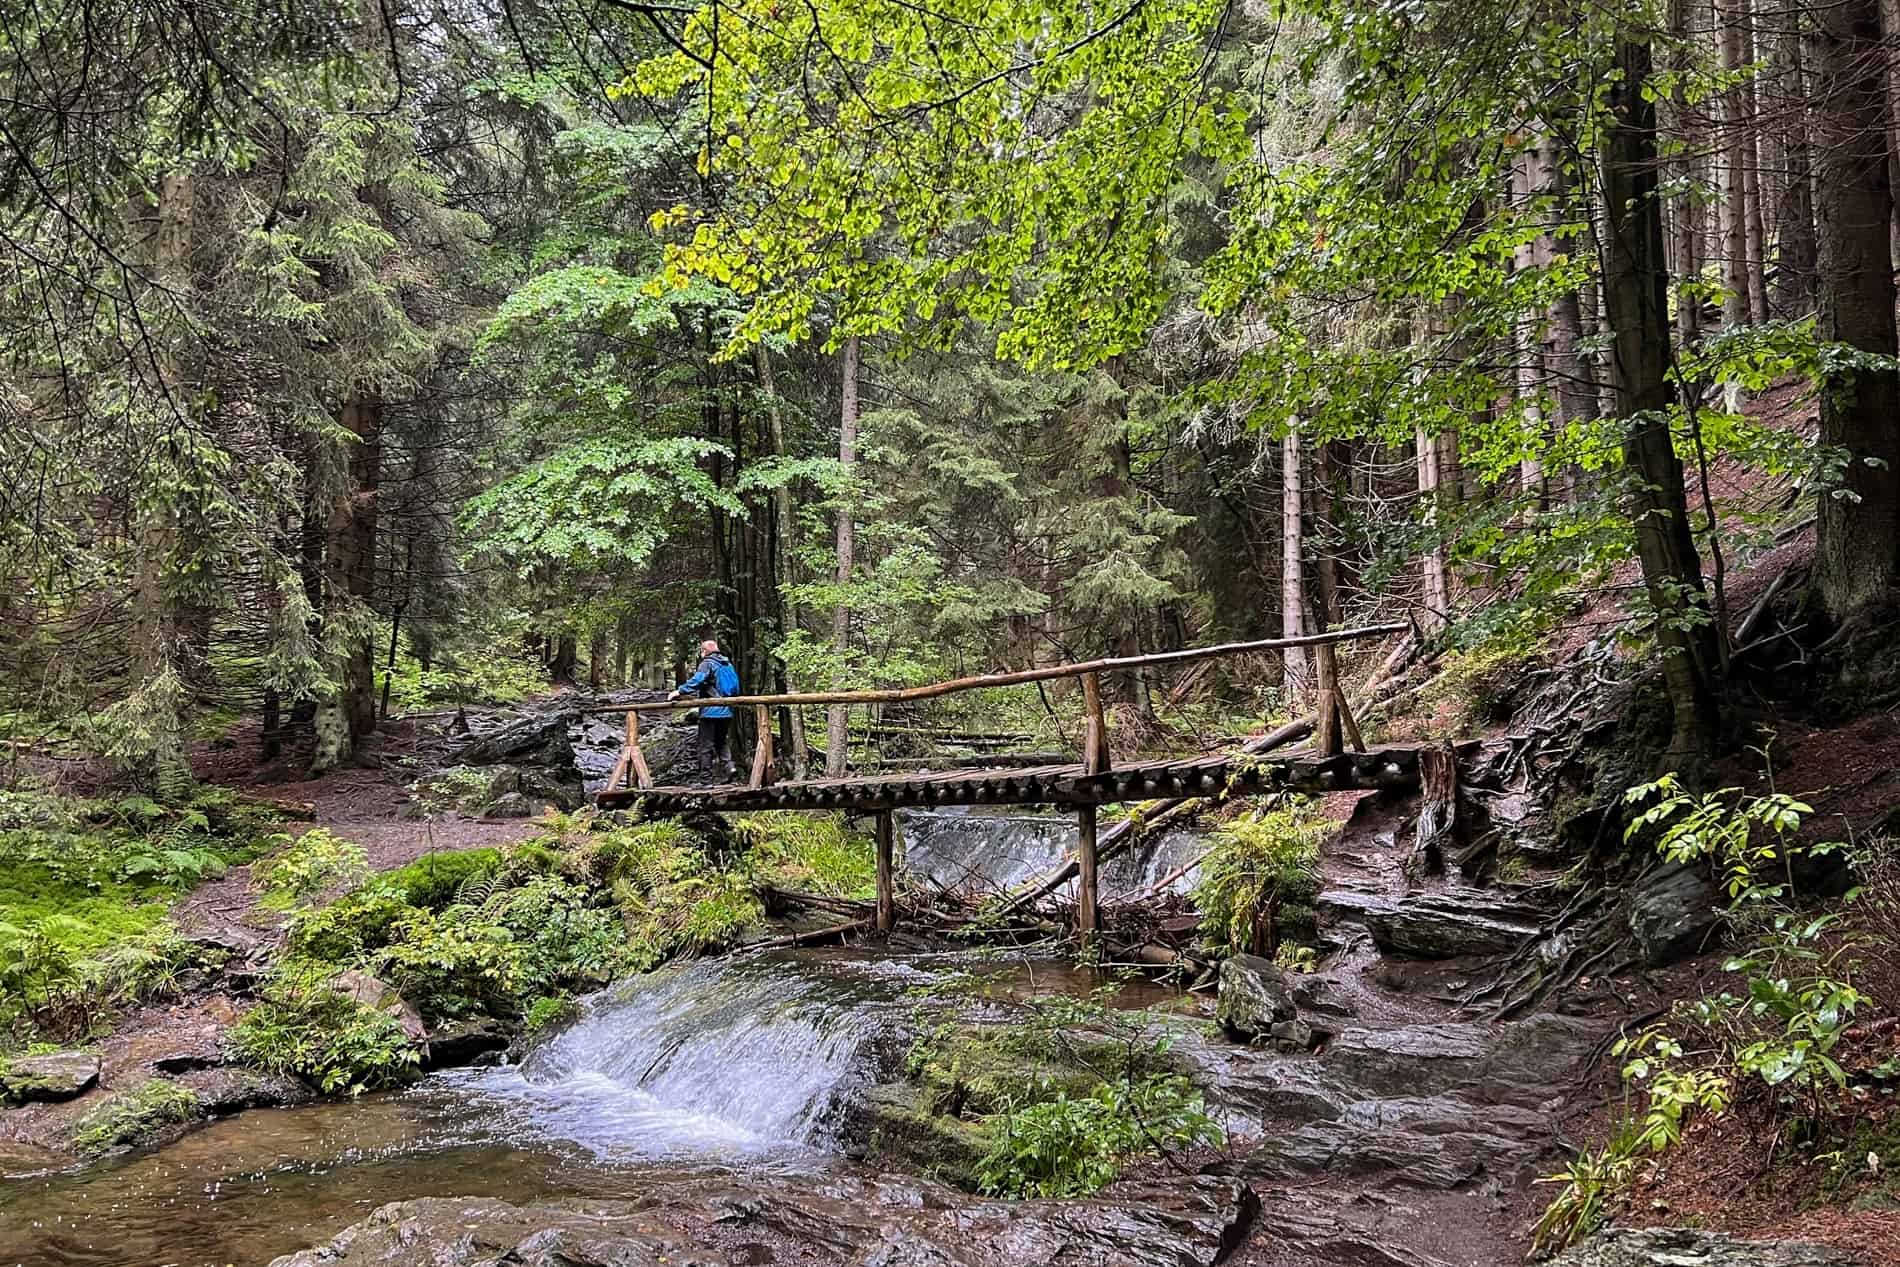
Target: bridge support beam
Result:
[[886, 879], [1088, 910]]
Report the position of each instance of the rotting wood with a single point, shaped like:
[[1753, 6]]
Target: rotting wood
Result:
[[1438, 804], [886, 872]]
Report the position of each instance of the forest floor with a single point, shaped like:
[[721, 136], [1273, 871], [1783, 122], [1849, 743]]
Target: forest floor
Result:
[[368, 804]]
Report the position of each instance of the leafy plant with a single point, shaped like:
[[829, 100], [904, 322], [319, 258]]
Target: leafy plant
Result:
[[307, 1029], [1779, 1033], [1069, 1147], [1261, 864], [1590, 1182], [314, 863], [449, 966]]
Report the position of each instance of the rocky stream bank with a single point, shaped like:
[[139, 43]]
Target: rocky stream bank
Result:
[[1389, 1108]]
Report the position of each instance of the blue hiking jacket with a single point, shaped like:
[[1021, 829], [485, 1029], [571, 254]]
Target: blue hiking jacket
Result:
[[714, 678]]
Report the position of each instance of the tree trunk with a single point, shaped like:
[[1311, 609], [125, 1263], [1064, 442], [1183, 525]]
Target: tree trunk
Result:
[[1292, 581], [157, 704], [1528, 350], [1754, 219], [785, 544], [1686, 222], [1860, 408], [1328, 734], [1574, 386], [1636, 295], [348, 711], [1733, 48], [1797, 249], [1434, 583], [837, 718]]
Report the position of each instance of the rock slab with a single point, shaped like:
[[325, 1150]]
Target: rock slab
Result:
[[54, 1076], [1673, 913], [1688, 1247]]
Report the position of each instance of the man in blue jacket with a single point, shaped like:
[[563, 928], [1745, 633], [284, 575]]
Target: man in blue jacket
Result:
[[713, 679]]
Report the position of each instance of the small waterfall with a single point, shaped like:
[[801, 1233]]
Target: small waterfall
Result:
[[723, 1056], [973, 851]]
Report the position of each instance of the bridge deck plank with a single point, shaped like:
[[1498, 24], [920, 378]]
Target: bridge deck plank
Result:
[[1067, 784]]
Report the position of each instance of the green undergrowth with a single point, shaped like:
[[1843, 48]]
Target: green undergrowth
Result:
[[1258, 884], [1057, 1100], [85, 886], [513, 932], [1784, 1042]]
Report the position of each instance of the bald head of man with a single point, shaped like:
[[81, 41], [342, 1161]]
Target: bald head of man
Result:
[[709, 646]]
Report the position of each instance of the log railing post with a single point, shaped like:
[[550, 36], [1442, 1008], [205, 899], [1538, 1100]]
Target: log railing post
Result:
[[886, 867], [1095, 738], [1088, 913], [636, 762], [762, 751]]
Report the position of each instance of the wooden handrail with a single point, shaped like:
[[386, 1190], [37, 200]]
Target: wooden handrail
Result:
[[903, 694]]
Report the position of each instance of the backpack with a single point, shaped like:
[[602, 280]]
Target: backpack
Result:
[[725, 680]]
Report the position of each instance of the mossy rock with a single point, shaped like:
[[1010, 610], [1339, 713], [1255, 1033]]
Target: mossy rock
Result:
[[906, 1131], [155, 1109], [49, 1076], [987, 1068]]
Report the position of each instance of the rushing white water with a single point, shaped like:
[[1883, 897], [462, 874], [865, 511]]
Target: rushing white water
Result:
[[719, 1056], [970, 850]]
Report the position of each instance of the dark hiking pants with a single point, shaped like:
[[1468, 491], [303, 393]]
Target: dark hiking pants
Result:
[[715, 747]]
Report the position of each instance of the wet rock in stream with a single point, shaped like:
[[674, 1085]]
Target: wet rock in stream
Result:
[[844, 1220]]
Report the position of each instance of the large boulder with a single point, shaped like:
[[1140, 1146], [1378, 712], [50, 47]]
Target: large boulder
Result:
[[1687, 1247], [1673, 913], [56, 1075], [1254, 997], [496, 791], [379, 996], [541, 740], [1447, 924]]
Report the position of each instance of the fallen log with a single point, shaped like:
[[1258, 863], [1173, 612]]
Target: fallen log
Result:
[[813, 936]]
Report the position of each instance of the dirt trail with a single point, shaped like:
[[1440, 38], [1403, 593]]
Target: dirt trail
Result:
[[368, 804]]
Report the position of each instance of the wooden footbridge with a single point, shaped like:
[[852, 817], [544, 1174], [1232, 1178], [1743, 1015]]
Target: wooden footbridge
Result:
[[1083, 785]]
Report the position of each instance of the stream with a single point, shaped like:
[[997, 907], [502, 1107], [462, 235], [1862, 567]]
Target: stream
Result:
[[709, 1113], [713, 1071]]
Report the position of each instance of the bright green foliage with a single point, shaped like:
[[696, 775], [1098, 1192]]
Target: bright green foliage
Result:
[[811, 853], [137, 1116], [895, 159], [1262, 875], [1070, 1147], [316, 862], [449, 966], [549, 1009], [306, 1029], [84, 891], [493, 675]]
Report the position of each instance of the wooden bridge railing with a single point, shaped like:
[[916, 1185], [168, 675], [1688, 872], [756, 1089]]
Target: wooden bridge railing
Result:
[[1095, 755], [1096, 760]]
